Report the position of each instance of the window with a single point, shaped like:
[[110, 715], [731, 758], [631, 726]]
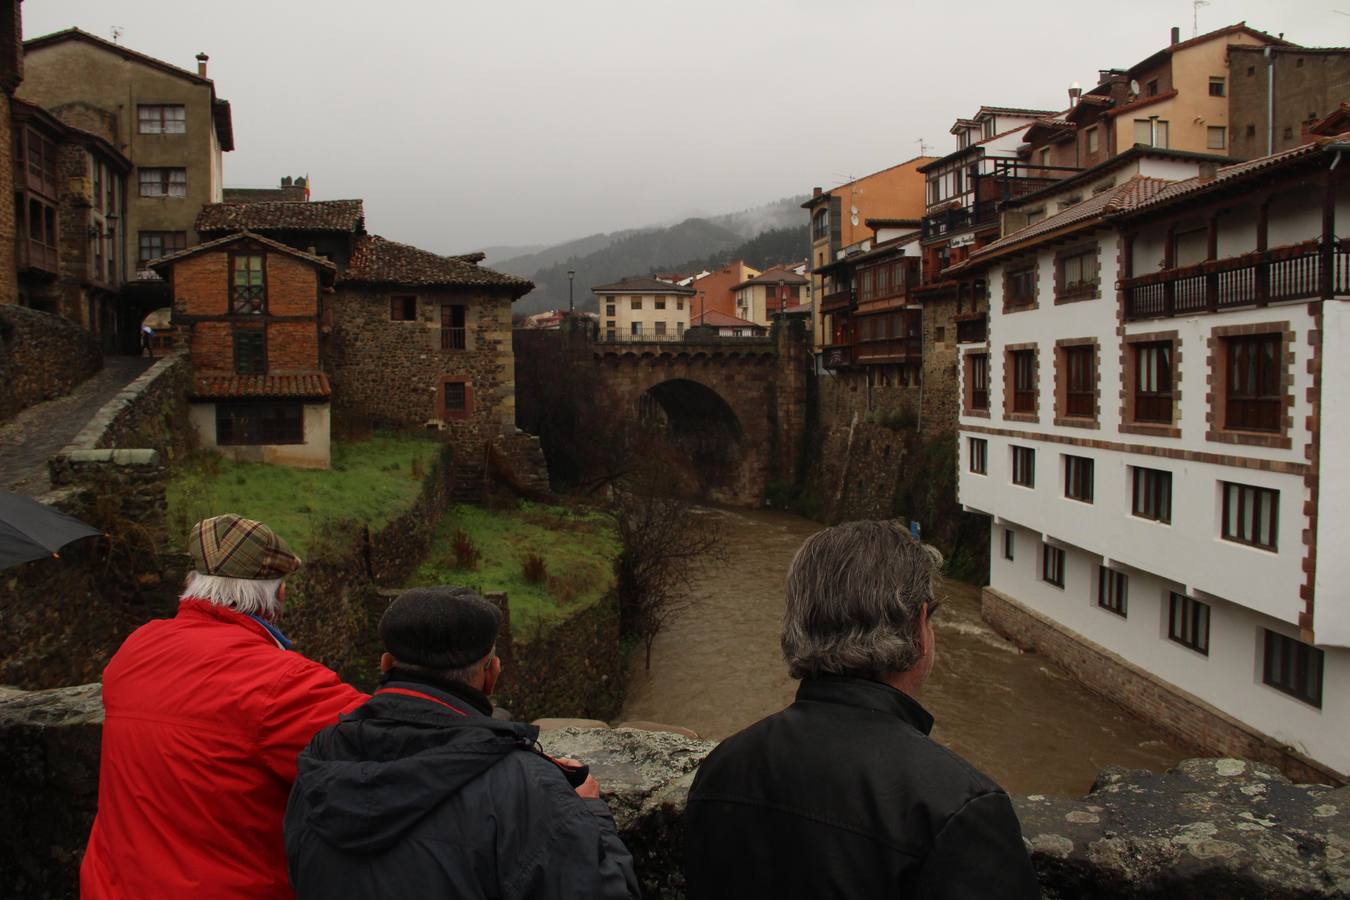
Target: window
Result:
[[1215, 137], [1111, 589], [1020, 288], [250, 351], [1008, 540], [679, 328], [635, 328], [820, 225], [979, 455], [988, 130], [1024, 381], [659, 303], [1216, 87], [1052, 565], [1080, 383], [635, 303], [1152, 88], [1024, 466], [660, 327], [165, 119], [1293, 667], [1152, 494], [260, 423], [1150, 132], [403, 309], [455, 398], [163, 182], [1188, 622], [865, 285], [609, 310], [1190, 246], [98, 184], [454, 330], [1250, 515], [248, 290], [1078, 272], [1254, 398], [679, 303], [979, 381], [1153, 382], [1092, 139], [1078, 478]]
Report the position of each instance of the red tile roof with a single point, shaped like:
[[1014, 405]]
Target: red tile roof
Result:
[[376, 260], [716, 319], [1127, 195], [283, 215], [303, 386]]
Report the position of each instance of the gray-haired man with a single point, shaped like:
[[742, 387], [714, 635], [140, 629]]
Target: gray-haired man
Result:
[[842, 794]]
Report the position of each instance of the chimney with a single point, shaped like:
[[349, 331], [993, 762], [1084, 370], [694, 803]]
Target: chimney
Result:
[[815, 192], [285, 181], [202, 58], [1176, 34], [1075, 91]]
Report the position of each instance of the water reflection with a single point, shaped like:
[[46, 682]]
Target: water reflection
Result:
[[1016, 716]]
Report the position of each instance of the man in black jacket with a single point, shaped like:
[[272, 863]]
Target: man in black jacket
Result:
[[421, 793], [843, 794]]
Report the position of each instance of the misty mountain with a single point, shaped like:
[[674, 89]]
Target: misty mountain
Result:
[[763, 235], [510, 251]]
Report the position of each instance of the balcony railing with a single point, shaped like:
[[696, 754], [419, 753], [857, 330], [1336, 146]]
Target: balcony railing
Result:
[[961, 218], [1295, 272], [453, 338], [885, 350], [33, 255], [836, 300]]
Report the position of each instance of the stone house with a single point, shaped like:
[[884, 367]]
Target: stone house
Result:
[[410, 338], [252, 308], [69, 201], [165, 119]]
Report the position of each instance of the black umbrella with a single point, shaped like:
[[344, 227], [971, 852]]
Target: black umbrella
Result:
[[31, 530]]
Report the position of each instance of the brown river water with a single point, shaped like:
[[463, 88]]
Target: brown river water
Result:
[[1016, 716]]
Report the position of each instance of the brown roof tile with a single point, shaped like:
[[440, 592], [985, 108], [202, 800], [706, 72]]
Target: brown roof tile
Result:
[[303, 386], [376, 260], [1227, 175], [643, 286], [283, 215], [164, 261]]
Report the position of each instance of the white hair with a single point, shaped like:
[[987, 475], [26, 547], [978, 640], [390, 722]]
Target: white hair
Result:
[[246, 595]]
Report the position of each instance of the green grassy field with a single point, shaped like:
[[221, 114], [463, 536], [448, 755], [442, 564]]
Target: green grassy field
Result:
[[371, 481], [578, 549]]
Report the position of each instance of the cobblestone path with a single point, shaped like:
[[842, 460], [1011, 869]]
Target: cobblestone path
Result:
[[41, 430]]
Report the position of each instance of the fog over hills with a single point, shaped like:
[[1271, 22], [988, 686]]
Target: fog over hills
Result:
[[768, 233]]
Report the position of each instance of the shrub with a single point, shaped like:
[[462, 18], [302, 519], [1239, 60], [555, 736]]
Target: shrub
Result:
[[466, 554], [419, 469], [533, 569]]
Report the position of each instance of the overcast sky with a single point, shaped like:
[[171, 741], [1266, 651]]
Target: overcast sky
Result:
[[465, 125]]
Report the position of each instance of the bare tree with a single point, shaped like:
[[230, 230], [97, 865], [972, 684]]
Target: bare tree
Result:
[[664, 541]]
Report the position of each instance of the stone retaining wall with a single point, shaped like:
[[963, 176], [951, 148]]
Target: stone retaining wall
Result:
[[42, 356], [1211, 828], [1191, 720]]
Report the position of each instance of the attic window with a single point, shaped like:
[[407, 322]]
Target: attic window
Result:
[[1152, 88]]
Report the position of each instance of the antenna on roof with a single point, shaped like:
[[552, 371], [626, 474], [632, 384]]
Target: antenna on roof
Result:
[[1195, 15], [923, 147], [116, 32]]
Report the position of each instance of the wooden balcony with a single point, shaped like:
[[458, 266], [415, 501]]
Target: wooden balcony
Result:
[[888, 350], [836, 301], [1296, 272], [40, 257]]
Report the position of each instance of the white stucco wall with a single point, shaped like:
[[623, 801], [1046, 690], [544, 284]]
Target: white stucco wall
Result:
[[1229, 677], [314, 453], [1331, 605]]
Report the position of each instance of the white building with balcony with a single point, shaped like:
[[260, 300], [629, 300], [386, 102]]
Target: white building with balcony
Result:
[[1146, 422]]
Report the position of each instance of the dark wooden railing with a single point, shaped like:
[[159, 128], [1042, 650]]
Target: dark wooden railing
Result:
[[453, 338], [1153, 408], [1295, 272], [33, 255], [836, 300], [1080, 403], [888, 350]]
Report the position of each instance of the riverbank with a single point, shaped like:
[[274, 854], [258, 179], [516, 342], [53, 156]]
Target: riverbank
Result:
[[1028, 724]]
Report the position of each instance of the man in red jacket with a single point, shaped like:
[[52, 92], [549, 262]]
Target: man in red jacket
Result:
[[204, 716]]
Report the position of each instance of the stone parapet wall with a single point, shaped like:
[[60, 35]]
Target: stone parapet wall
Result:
[[1189, 719], [1208, 828], [149, 412], [42, 356]]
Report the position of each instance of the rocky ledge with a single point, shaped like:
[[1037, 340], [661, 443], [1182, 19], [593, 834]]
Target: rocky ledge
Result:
[[1210, 828]]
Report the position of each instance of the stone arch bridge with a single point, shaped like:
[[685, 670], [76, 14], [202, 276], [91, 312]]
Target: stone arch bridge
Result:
[[733, 409]]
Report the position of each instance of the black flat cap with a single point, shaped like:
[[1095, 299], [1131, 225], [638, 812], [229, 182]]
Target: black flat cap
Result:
[[439, 627]]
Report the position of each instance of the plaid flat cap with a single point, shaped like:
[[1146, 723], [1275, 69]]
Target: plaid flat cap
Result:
[[235, 547]]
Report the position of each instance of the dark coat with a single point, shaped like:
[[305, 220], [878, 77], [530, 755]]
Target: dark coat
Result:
[[418, 793], [843, 794]]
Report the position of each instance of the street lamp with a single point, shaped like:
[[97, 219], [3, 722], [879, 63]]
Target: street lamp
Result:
[[571, 307], [782, 299], [700, 309]]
